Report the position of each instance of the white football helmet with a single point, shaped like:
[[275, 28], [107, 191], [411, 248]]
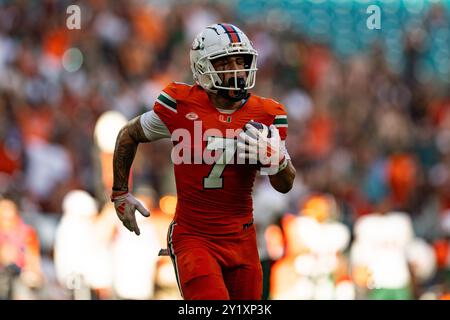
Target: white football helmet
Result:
[[216, 41]]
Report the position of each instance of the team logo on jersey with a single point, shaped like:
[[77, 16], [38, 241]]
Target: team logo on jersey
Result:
[[225, 118], [192, 116]]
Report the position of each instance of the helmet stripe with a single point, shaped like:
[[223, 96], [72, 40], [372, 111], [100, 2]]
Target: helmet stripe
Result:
[[231, 32], [235, 31]]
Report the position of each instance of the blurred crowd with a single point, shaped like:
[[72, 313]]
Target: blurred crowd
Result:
[[369, 215]]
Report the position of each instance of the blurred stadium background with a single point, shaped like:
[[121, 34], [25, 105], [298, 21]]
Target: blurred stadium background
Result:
[[369, 134]]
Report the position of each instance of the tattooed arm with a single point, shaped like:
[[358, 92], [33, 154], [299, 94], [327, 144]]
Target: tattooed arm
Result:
[[126, 145], [145, 128], [125, 204]]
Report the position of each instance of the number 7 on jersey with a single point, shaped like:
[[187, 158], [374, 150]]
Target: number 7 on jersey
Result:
[[215, 180]]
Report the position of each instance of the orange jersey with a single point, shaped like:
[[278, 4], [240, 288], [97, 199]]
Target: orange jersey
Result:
[[213, 198]]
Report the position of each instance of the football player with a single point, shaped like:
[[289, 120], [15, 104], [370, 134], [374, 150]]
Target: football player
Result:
[[211, 240]]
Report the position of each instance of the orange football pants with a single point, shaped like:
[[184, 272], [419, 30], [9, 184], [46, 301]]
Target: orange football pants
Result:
[[216, 267]]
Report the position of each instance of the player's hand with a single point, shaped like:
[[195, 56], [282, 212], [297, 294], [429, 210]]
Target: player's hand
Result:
[[125, 205], [263, 148]]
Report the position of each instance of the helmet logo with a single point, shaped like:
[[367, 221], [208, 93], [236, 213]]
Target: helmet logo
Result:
[[198, 44]]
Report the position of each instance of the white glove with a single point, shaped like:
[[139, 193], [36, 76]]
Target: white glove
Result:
[[254, 145], [125, 205]]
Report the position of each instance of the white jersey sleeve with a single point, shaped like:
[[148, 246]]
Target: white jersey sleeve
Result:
[[153, 126]]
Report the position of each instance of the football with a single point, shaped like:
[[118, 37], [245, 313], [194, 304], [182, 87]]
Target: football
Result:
[[258, 125]]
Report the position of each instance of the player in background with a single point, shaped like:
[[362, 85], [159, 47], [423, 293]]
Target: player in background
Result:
[[211, 240]]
